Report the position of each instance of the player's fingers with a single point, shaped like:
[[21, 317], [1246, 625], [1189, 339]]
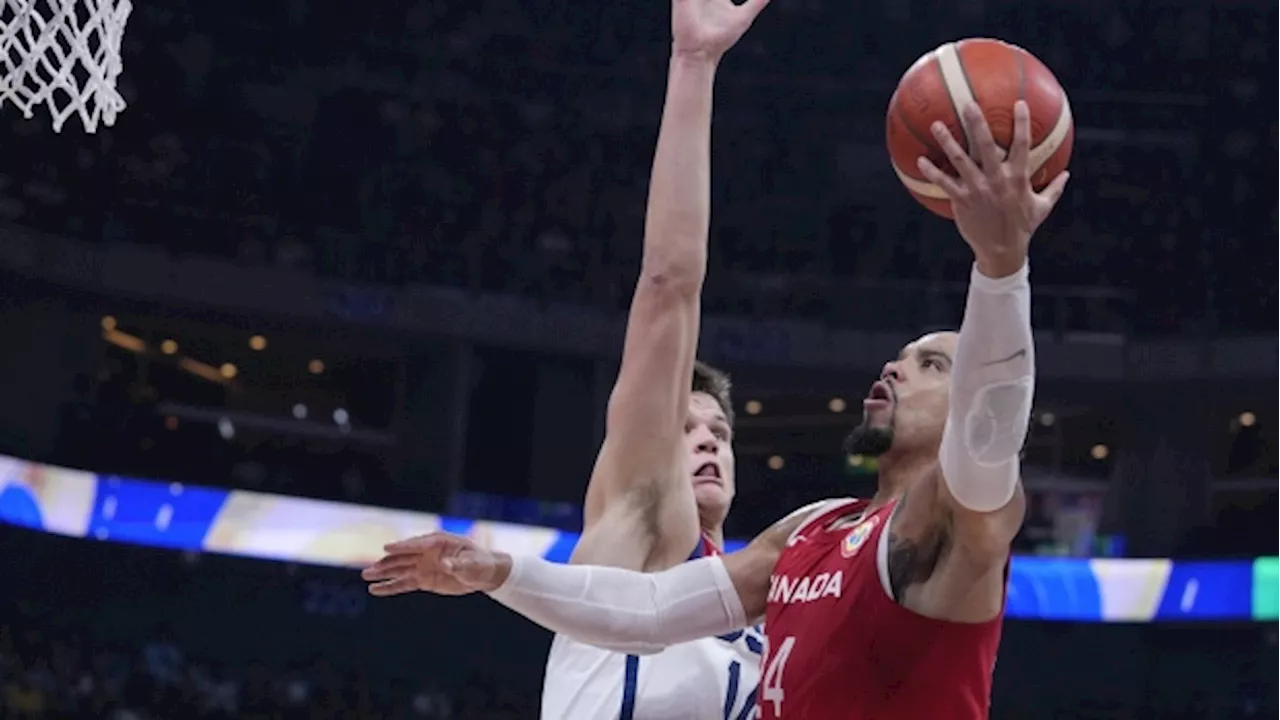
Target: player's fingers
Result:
[[1021, 148], [1052, 192], [982, 144], [752, 8], [960, 160], [417, 544], [934, 174], [394, 586], [386, 568]]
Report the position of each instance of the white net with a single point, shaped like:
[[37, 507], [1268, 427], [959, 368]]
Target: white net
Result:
[[65, 55]]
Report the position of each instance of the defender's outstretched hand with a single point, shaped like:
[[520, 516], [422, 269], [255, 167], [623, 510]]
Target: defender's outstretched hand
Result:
[[708, 28], [995, 207], [437, 562]]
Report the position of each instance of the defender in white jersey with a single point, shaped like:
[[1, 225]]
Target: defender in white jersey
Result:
[[711, 679], [663, 480]]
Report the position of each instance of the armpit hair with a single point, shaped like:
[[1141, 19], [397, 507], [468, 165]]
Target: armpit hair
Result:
[[913, 560]]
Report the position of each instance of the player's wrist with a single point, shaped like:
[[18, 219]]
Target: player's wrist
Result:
[[693, 60], [503, 564], [999, 265]]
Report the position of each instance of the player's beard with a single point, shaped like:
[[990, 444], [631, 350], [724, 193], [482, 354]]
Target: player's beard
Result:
[[869, 440]]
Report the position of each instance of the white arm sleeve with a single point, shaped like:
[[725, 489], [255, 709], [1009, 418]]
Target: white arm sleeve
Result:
[[623, 610], [992, 387]]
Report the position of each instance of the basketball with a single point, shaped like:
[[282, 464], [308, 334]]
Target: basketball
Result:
[[993, 74]]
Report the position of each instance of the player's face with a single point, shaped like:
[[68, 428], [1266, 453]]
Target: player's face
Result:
[[709, 441], [907, 407]]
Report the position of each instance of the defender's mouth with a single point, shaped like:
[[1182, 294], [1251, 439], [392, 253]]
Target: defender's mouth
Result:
[[707, 473]]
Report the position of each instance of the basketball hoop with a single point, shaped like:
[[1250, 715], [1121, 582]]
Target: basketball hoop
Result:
[[64, 54]]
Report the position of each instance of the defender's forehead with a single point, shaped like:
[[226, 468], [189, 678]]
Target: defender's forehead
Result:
[[705, 406]]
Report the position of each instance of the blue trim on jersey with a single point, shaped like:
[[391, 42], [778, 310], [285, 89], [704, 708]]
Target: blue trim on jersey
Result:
[[697, 550], [630, 680], [631, 672]]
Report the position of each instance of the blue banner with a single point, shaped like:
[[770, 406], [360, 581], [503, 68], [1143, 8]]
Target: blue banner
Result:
[[277, 527]]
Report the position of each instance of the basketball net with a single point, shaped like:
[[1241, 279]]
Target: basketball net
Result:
[[64, 54]]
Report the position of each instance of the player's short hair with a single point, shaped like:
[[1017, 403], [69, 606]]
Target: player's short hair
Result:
[[715, 383]]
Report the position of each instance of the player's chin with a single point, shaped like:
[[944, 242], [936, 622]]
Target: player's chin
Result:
[[711, 494]]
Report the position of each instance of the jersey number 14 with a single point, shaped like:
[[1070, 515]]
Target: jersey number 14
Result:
[[771, 684]]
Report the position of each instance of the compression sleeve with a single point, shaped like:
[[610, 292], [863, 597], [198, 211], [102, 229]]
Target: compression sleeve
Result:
[[623, 610], [992, 387]]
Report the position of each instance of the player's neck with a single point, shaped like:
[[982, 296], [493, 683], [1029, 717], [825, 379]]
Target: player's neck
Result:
[[899, 471], [714, 533]]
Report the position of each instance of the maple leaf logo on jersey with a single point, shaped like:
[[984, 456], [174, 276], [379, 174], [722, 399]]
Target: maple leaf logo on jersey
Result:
[[857, 537]]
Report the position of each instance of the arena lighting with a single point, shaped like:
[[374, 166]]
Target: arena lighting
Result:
[[226, 429], [1047, 419], [776, 462], [1099, 452], [315, 367], [856, 460], [228, 370], [1247, 419], [124, 340], [299, 411], [108, 322], [201, 370], [837, 405], [753, 407], [169, 347], [257, 342], [341, 417]]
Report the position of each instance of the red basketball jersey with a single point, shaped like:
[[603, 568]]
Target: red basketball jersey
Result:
[[840, 648]]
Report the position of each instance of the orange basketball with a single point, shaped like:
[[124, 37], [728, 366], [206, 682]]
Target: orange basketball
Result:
[[993, 74]]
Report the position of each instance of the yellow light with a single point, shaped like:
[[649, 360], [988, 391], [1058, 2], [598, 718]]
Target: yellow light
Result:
[[837, 405], [228, 370], [257, 342], [1247, 419], [856, 460], [776, 462], [168, 347], [1099, 452], [315, 367], [108, 322], [124, 340], [754, 407]]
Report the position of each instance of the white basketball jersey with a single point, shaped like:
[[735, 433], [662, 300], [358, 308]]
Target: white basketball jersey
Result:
[[708, 679]]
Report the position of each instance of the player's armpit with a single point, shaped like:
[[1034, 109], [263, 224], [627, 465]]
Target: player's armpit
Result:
[[992, 388]]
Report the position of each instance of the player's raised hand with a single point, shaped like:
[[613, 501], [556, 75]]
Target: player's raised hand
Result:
[[437, 562], [706, 29], [995, 207]]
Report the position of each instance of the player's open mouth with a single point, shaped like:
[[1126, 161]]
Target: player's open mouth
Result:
[[707, 473], [880, 396]]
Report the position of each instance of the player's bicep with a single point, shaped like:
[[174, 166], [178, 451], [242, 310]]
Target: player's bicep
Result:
[[750, 568]]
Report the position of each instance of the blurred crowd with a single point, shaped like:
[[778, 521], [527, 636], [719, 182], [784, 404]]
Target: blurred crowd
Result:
[[58, 674], [500, 148]]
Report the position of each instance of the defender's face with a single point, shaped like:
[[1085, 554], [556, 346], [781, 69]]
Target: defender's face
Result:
[[709, 442], [907, 407]]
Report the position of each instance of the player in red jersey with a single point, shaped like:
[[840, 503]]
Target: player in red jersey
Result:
[[881, 609]]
